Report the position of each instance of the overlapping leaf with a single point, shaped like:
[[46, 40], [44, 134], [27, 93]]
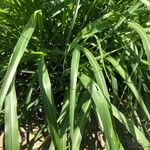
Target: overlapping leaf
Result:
[[48, 103], [17, 55], [144, 36]]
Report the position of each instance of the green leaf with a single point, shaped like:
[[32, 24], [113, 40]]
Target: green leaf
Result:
[[130, 84], [48, 103], [73, 85], [97, 72], [81, 122], [146, 2], [134, 7], [17, 55], [3, 11], [137, 134], [144, 36], [92, 28], [104, 111], [11, 120]]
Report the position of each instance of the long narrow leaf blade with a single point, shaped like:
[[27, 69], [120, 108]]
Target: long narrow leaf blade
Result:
[[11, 121], [73, 85], [97, 72], [137, 134], [17, 55], [126, 77], [82, 120], [48, 102], [104, 111], [146, 2], [144, 36]]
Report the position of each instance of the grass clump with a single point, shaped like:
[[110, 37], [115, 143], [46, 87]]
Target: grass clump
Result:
[[69, 67]]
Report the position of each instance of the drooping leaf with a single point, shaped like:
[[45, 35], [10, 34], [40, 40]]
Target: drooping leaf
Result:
[[144, 36], [130, 84], [17, 55]]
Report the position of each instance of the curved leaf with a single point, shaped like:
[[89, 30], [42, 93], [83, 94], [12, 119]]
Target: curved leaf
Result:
[[126, 77], [17, 55], [144, 36]]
